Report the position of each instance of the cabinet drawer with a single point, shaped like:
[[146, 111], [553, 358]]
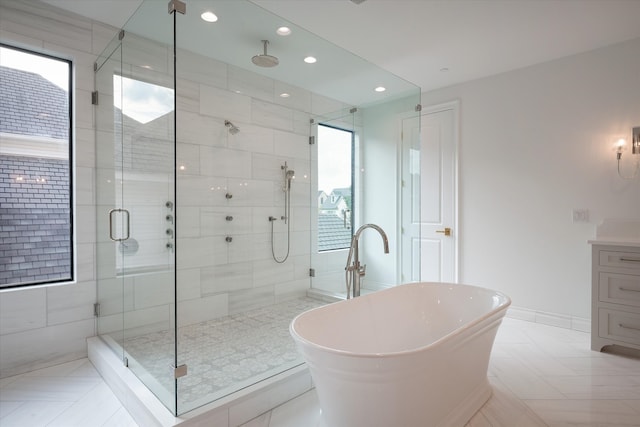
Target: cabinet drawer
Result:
[[620, 259], [619, 288], [619, 326]]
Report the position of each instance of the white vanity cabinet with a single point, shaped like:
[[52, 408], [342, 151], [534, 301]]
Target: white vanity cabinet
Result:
[[615, 294]]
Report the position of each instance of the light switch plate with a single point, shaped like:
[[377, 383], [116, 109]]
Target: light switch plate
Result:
[[580, 215]]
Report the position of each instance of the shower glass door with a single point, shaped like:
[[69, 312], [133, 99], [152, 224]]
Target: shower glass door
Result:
[[135, 154]]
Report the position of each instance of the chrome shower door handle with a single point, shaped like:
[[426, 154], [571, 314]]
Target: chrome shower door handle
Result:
[[111, 235]]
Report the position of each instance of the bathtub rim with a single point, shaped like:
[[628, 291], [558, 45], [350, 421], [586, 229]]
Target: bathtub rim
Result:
[[458, 331]]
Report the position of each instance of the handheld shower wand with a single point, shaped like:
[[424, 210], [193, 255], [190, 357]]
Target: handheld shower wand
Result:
[[288, 175]]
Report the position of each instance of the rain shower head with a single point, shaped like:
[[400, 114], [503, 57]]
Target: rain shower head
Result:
[[265, 60], [233, 129]]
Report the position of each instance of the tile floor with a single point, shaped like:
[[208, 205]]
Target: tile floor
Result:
[[542, 376], [224, 354]]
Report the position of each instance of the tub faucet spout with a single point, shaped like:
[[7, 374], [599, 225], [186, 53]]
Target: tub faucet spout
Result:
[[353, 270]]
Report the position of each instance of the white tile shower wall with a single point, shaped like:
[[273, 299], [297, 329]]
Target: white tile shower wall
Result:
[[240, 176], [45, 326]]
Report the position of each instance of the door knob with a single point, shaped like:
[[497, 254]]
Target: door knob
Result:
[[446, 231]]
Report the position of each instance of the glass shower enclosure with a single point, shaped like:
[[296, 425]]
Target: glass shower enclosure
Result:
[[208, 208]]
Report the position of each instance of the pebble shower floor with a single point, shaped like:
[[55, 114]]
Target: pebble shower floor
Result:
[[225, 354]]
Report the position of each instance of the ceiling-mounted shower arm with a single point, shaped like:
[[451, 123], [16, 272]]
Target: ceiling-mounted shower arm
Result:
[[264, 59]]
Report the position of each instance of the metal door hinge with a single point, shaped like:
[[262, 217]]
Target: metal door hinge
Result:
[[177, 6], [94, 97], [353, 110], [96, 309], [121, 35], [312, 272], [179, 371], [312, 140], [125, 362], [418, 107]]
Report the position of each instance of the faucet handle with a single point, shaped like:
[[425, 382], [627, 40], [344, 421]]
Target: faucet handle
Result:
[[362, 270]]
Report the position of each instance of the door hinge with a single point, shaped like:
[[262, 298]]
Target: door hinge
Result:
[[179, 371], [177, 6], [96, 309], [312, 272], [121, 35], [94, 97], [312, 140], [125, 362], [418, 107]]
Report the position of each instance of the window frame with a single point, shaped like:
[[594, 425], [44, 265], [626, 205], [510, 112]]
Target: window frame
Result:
[[71, 277], [352, 166]]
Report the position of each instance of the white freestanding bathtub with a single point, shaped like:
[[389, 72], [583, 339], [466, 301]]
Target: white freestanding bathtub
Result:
[[409, 356]]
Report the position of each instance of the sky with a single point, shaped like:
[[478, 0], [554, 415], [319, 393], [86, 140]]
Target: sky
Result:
[[142, 101], [334, 158], [57, 72]]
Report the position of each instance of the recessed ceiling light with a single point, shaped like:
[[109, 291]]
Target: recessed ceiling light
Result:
[[310, 60], [284, 95], [209, 16], [283, 31], [380, 89]]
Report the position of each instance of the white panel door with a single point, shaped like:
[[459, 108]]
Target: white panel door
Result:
[[430, 242]]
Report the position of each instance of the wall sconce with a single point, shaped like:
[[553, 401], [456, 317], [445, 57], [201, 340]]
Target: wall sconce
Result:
[[635, 149]]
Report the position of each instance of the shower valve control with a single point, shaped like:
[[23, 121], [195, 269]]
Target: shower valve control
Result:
[[229, 218], [228, 239]]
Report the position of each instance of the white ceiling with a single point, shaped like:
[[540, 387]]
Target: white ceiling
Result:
[[416, 39]]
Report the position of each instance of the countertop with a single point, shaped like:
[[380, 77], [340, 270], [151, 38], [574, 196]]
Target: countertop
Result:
[[614, 242]]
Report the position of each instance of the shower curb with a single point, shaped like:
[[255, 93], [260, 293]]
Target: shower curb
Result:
[[233, 410]]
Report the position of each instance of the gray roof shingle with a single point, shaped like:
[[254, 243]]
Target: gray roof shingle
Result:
[[32, 105]]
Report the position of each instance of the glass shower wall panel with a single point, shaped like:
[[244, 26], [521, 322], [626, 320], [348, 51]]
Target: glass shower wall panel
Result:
[[388, 158], [110, 285], [148, 176], [337, 196], [241, 276], [135, 133]]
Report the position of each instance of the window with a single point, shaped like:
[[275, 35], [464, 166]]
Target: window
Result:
[[36, 224], [335, 188]]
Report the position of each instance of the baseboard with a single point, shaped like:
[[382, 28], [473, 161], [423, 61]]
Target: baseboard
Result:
[[552, 319]]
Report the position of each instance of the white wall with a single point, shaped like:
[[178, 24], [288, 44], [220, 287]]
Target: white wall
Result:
[[536, 143], [48, 325]]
